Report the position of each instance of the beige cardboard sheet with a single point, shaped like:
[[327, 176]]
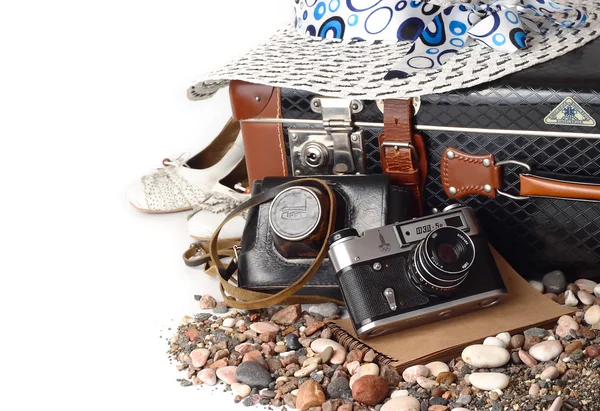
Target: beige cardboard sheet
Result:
[[446, 339]]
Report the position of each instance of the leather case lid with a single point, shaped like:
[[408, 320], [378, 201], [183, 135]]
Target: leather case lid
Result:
[[365, 202]]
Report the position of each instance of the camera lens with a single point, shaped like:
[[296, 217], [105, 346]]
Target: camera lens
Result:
[[441, 261]]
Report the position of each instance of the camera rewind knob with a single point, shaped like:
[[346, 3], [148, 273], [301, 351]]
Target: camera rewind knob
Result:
[[390, 296]]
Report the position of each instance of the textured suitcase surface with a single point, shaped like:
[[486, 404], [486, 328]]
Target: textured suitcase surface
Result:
[[536, 235]]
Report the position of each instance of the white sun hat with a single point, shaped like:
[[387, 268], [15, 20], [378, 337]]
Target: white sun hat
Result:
[[374, 49]]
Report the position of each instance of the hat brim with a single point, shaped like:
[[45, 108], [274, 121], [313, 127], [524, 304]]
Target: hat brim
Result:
[[339, 68]]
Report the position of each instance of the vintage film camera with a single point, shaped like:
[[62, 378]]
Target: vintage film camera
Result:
[[415, 272]]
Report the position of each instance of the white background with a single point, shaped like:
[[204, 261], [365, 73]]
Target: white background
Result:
[[93, 95]]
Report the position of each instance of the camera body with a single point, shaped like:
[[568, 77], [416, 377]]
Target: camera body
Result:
[[415, 272]]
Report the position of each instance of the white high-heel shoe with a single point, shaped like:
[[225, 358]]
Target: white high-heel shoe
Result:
[[227, 193], [185, 182]]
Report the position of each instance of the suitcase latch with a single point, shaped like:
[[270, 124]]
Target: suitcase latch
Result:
[[337, 148]]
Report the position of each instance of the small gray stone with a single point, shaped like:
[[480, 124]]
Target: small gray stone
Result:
[[199, 318], [337, 387], [464, 399], [537, 332], [324, 310], [291, 341], [438, 401], [220, 309], [185, 383], [555, 282], [253, 374]]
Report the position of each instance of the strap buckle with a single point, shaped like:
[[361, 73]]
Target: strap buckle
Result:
[[403, 144], [236, 249], [517, 163]]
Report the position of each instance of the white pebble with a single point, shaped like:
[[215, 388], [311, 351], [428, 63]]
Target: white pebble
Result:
[[592, 315], [229, 322], [498, 391], [489, 380], [426, 383], [556, 405], [485, 356], [368, 369], [597, 291], [240, 323], [546, 350], [494, 341], [437, 367], [585, 297], [352, 367], [402, 404], [294, 392], [264, 327], [504, 337], [339, 353], [242, 390], [411, 373], [550, 373], [399, 393], [570, 299], [586, 285], [537, 285]]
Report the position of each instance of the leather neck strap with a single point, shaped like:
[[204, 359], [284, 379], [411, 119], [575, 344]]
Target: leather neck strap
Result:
[[403, 155], [250, 300]]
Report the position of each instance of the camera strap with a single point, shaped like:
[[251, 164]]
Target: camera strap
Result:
[[240, 298]]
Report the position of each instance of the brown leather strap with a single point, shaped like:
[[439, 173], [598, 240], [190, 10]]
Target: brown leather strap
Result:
[[250, 300], [465, 174], [402, 153], [537, 186], [198, 254]]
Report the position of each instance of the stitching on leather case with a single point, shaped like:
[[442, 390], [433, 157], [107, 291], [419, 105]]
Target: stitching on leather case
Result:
[[446, 178], [279, 127]]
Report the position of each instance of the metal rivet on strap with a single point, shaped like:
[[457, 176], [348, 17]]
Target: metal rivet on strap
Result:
[[487, 162], [487, 188], [450, 154], [257, 98], [452, 190], [377, 266]]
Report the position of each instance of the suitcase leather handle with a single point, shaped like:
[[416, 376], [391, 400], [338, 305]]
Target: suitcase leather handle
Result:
[[465, 174], [559, 186]]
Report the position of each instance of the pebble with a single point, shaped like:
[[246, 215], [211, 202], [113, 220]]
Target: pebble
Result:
[[586, 285], [597, 291], [426, 383], [446, 378], [291, 341], [208, 376], [517, 341], [488, 380], [570, 299], [464, 399], [555, 282], [537, 285], [207, 302], [586, 298], [220, 309], [527, 359], [535, 332], [253, 374], [437, 367], [326, 354], [370, 389], [460, 409], [556, 405], [228, 374], [229, 322], [288, 315], [485, 356], [390, 374], [324, 310], [402, 404], [370, 356], [505, 337], [264, 327], [551, 296], [546, 350], [304, 372], [412, 373], [534, 390], [310, 394], [339, 353], [337, 387], [352, 367], [242, 390], [399, 393], [592, 315], [199, 357], [550, 373], [566, 323], [368, 369], [575, 345], [494, 341]]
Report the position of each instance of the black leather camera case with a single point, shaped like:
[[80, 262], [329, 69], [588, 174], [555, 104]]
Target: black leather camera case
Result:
[[362, 202]]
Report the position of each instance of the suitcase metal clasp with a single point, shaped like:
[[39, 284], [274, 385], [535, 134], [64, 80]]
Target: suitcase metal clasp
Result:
[[337, 148]]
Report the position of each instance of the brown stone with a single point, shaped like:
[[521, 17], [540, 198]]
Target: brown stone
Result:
[[219, 364], [438, 392], [370, 389], [267, 337], [573, 288], [517, 341], [530, 342], [332, 405], [447, 395], [192, 333], [446, 378], [587, 333], [254, 317], [273, 365], [289, 330], [268, 349], [287, 316], [345, 407], [437, 407], [390, 374], [221, 354], [355, 355], [575, 345], [310, 395], [255, 356], [289, 400], [592, 350], [314, 328], [207, 302]]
